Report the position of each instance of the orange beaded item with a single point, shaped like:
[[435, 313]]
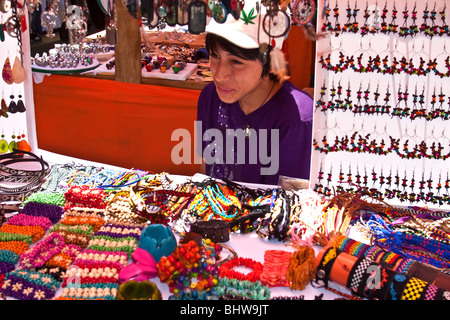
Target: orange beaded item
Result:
[[36, 232], [301, 268], [61, 260], [95, 222], [17, 247]]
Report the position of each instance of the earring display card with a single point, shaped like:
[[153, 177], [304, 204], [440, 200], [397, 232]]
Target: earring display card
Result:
[[382, 101], [13, 107]]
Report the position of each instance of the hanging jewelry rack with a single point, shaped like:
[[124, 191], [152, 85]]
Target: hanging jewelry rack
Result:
[[382, 106]]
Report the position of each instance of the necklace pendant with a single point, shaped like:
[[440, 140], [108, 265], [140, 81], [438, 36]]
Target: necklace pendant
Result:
[[247, 131]]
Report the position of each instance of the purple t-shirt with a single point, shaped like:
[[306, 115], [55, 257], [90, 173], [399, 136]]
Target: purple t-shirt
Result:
[[265, 153]]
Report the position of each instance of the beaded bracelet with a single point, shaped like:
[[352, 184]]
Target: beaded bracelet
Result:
[[53, 198], [50, 211], [95, 222], [226, 269], [84, 196], [9, 256], [110, 256], [79, 239], [42, 251], [29, 285], [252, 290], [86, 229], [7, 236], [36, 232], [107, 292], [18, 247], [80, 211], [22, 219]]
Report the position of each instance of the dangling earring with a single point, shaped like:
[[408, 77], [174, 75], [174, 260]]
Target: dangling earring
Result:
[[4, 108], [20, 105], [3, 144], [23, 144], [12, 108], [18, 72], [7, 72], [13, 144]]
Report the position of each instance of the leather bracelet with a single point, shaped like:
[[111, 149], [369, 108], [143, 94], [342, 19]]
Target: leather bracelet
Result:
[[325, 265], [215, 230]]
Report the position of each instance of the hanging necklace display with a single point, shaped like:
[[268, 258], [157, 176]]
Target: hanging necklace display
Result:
[[197, 17], [111, 29], [303, 12]]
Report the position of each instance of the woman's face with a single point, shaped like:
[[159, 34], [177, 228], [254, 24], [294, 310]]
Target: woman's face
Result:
[[234, 77]]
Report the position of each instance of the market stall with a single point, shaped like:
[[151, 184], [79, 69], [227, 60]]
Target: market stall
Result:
[[98, 209]]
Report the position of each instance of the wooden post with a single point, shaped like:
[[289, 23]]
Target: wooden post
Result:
[[128, 47]]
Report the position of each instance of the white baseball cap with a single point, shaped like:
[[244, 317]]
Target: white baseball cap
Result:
[[249, 31]]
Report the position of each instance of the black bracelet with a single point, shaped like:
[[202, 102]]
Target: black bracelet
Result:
[[215, 230], [325, 265], [33, 178]]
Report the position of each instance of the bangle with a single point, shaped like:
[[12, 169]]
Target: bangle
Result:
[[226, 269], [142, 290], [301, 268]]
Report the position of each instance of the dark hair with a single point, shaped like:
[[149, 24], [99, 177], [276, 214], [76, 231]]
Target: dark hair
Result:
[[214, 42]]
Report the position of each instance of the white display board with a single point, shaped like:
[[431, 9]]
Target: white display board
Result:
[[382, 100], [16, 82]]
